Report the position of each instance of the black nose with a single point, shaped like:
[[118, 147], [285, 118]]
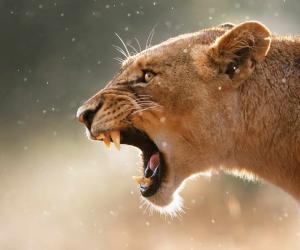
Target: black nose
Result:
[[87, 117], [86, 114]]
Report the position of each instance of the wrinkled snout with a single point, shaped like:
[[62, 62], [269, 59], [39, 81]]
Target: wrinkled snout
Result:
[[106, 111]]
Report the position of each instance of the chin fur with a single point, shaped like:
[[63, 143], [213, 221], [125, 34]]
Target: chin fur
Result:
[[165, 202]]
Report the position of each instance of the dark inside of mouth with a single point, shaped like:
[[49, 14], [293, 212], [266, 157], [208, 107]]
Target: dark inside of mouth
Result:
[[136, 138]]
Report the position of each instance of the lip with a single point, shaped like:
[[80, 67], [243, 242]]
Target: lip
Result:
[[134, 137]]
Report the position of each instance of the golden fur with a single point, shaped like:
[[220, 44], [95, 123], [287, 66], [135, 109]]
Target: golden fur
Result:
[[222, 98]]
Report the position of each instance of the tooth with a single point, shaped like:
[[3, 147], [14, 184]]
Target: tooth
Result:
[[115, 136], [146, 182], [106, 140], [138, 179], [101, 136]]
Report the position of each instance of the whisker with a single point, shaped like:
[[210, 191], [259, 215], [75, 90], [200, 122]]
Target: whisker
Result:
[[138, 43], [147, 41], [150, 41], [150, 36], [127, 51], [144, 102], [144, 98], [120, 60], [131, 46], [144, 95], [120, 50], [147, 102], [145, 109], [138, 109]]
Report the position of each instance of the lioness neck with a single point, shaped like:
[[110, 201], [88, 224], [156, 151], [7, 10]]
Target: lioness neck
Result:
[[268, 144]]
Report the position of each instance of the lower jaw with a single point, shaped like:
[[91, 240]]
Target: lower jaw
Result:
[[159, 201]]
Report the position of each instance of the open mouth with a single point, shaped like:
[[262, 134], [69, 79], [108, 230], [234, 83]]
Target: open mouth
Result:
[[154, 169]]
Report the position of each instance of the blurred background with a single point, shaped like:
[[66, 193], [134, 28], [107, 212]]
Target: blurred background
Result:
[[58, 190]]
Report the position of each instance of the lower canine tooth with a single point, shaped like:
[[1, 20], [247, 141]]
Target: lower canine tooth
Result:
[[106, 141], [146, 182]]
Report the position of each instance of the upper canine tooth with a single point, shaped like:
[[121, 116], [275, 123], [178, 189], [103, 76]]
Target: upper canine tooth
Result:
[[101, 136], [106, 140], [115, 136]]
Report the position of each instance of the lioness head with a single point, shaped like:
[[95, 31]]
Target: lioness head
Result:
[[178, 103]]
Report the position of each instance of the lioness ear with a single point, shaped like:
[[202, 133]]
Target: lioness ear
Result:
[[239, 49]]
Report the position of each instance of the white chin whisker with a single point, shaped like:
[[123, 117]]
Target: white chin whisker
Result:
[[174, 209], [87, 133]]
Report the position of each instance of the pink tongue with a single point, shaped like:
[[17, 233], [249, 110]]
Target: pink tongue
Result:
[[154, 161]]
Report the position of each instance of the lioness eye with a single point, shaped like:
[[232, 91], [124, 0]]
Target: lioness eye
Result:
[[148, 75]]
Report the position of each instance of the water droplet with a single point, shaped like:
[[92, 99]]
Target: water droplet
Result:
[[237, 5], [46, 212], [162, 119], [211, 10]]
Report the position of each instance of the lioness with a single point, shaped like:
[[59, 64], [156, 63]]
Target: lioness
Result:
[[227, 98]]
